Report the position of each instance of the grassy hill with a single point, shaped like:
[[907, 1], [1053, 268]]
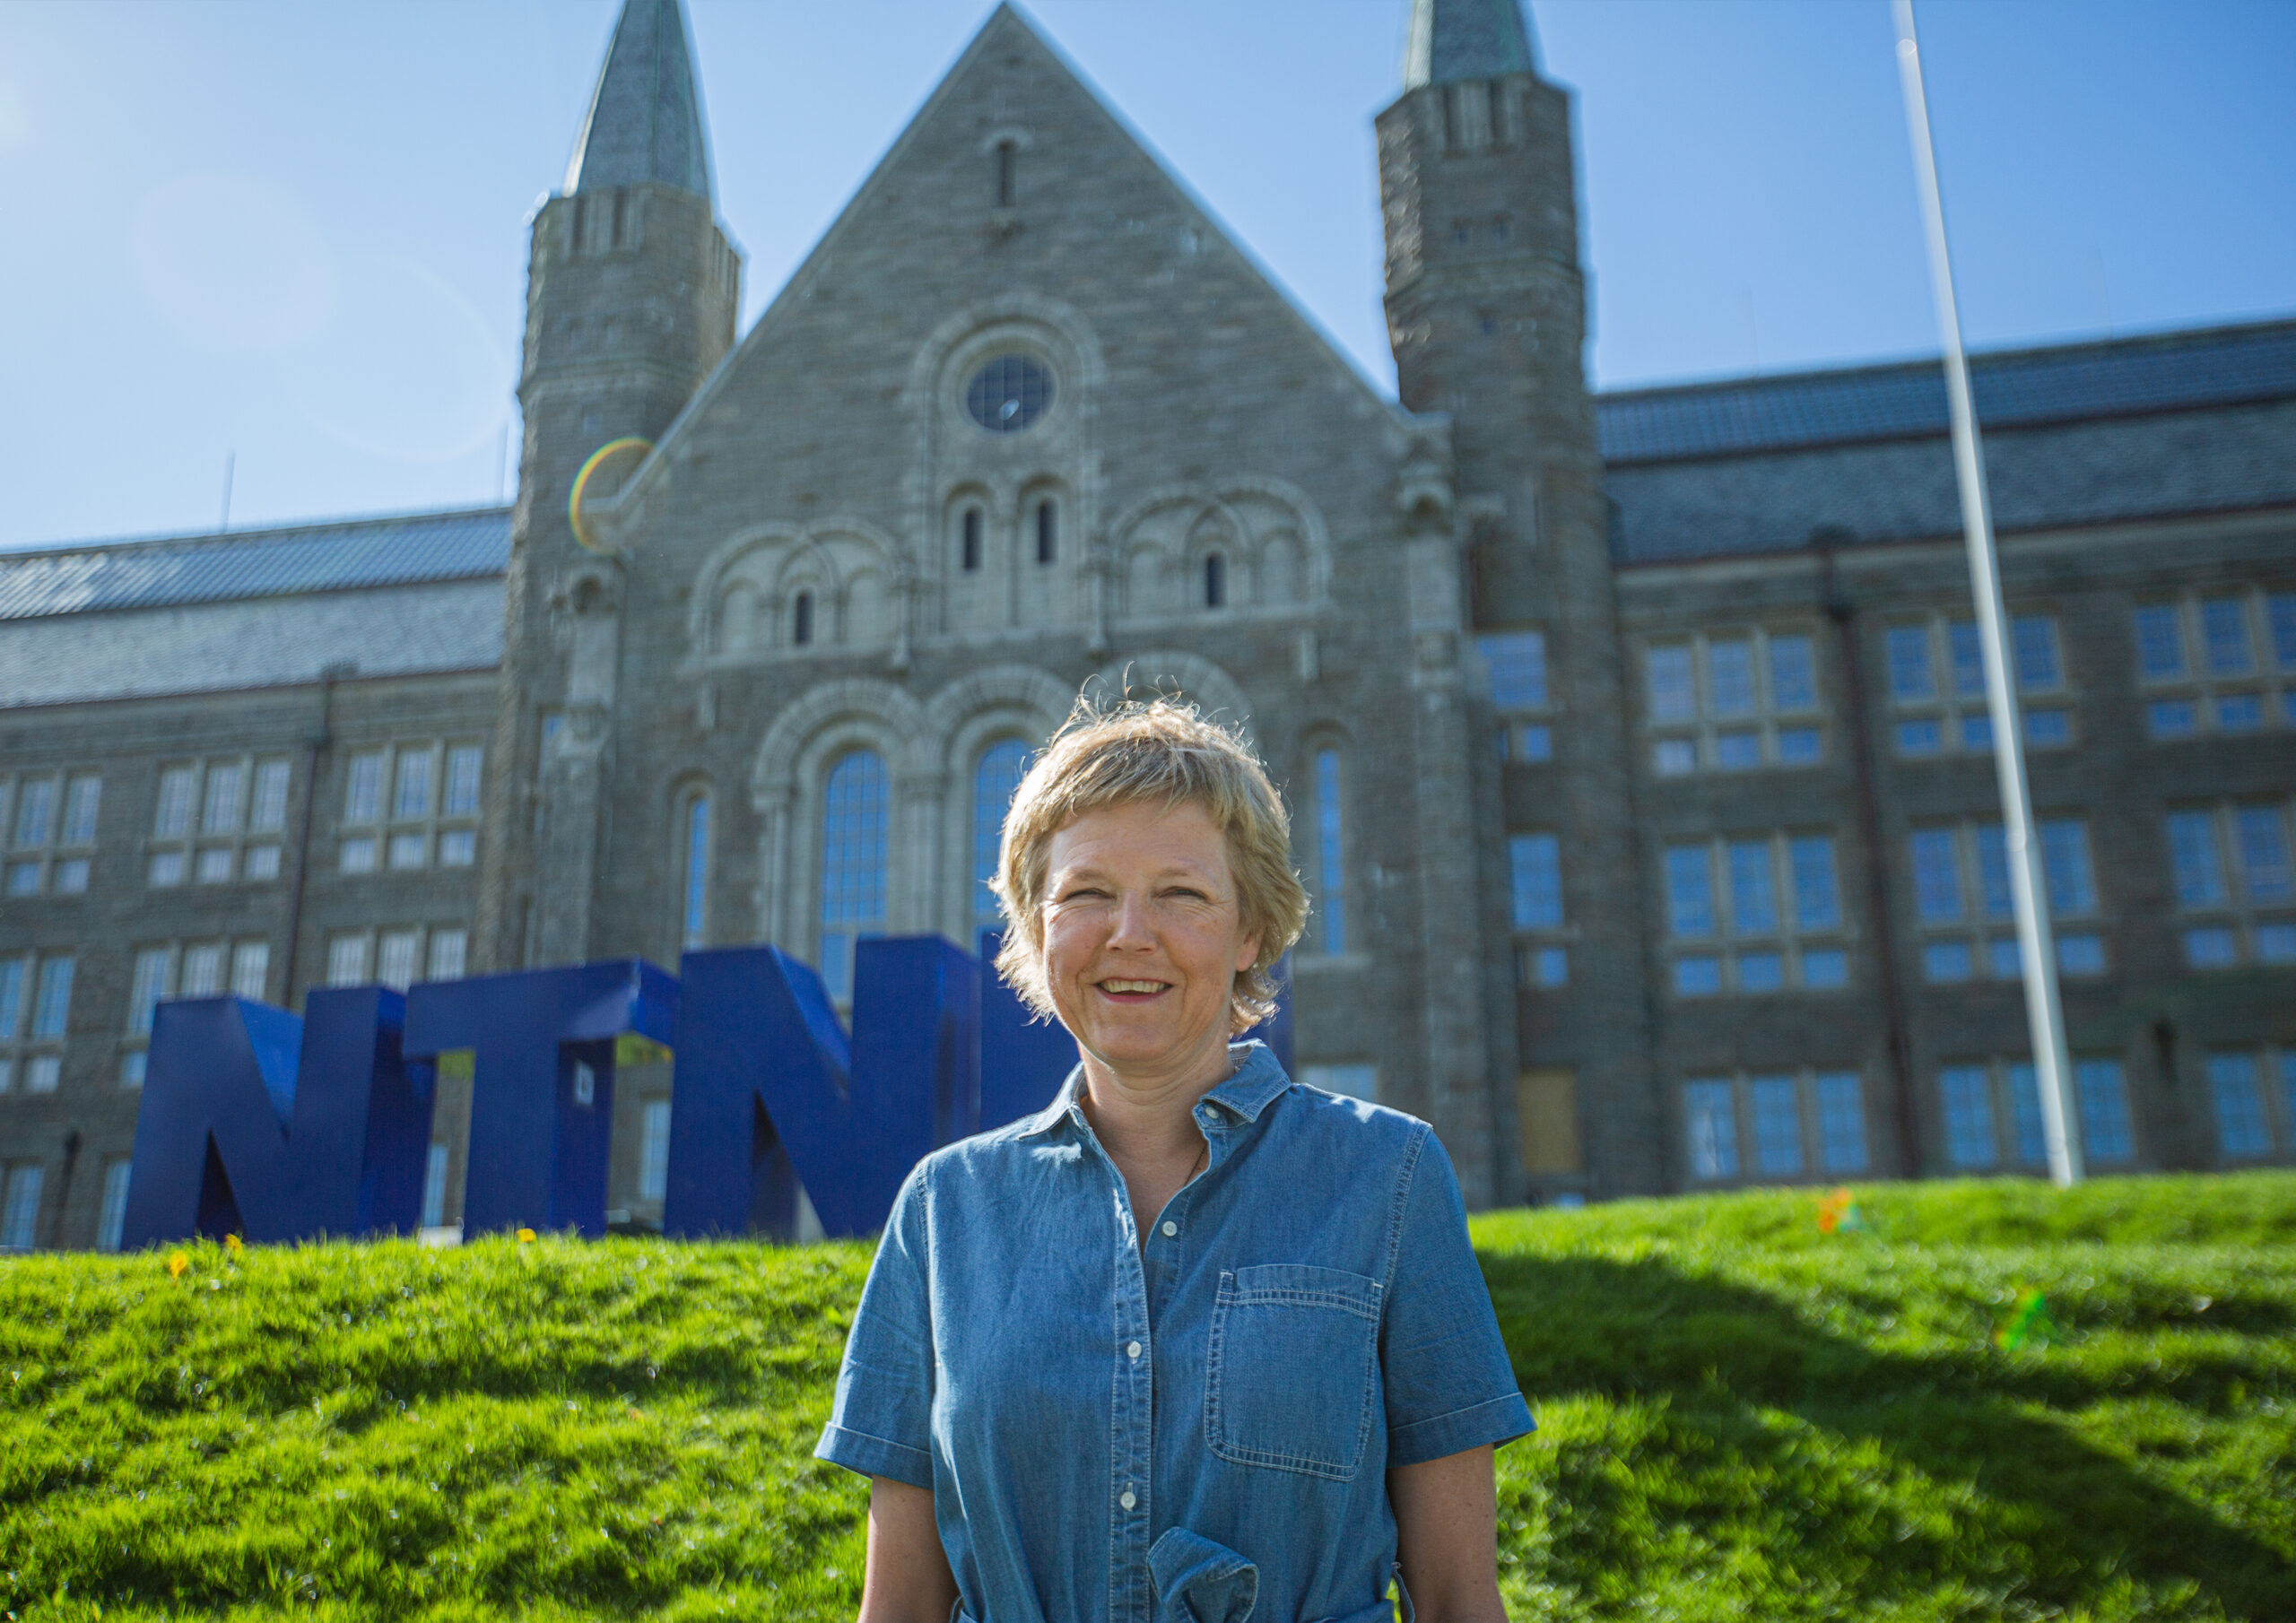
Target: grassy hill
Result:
[[1742, 1416]]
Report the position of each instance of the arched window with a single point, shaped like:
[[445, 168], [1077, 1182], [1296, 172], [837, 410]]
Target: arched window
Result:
[[801, 619], [1215, 580], [998, 773], [1007, 161], [1048, 532], [1331, 852], [694, 912], [971, 556], [854, 828]]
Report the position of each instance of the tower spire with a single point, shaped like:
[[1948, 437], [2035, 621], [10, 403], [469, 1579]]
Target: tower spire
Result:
[[645, 120], [1466, 39]]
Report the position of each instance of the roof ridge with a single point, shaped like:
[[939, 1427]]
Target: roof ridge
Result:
[[189, 539]]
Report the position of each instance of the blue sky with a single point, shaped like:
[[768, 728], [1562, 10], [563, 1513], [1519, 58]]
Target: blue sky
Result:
[[295, 232]]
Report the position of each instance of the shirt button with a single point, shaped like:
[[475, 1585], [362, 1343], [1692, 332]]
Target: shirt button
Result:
[[1127, 1500], [1132, 1351], [1171, 1228]]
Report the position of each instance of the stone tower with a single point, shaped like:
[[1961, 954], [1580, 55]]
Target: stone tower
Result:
[[632, 292], [1486, 312]]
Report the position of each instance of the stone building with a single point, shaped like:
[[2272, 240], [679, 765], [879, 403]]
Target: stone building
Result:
[[1639, 776]]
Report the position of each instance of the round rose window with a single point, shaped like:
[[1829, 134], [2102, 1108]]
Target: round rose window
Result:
[[1009, 394]]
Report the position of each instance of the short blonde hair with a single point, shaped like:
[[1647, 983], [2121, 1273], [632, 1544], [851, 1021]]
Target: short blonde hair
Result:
[[1151, 750]]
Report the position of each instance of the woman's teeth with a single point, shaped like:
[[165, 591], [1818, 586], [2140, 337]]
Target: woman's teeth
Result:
[[1132, 986]]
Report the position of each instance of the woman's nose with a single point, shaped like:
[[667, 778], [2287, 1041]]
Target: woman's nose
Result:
[[1130, 925]]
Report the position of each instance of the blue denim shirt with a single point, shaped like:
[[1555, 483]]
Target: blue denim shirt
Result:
[[1192, 1423]]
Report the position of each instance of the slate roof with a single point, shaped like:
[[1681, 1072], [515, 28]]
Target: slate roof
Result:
[[645, 120], [403, 550], [2174, 372], [1453, 39]]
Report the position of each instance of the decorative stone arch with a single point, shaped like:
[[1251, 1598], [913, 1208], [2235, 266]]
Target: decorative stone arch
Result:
[[786, 781], [1314, 537], [962, 720], [1173, 674], [709, 580], [1246, 552], [1011, 311]]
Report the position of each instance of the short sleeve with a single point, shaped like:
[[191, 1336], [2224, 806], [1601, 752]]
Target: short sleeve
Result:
[[1449, 1384], [881, 1423]]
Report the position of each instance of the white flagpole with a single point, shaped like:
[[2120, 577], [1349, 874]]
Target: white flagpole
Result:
[[2036, 941]]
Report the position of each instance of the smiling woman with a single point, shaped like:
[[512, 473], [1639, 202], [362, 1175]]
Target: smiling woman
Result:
[[1195, 1341]]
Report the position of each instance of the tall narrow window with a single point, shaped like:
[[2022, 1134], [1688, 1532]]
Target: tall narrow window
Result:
[[173, 819], [1841, 1122], [995, 778], [654, 1151], [53, 1010], [1711, 1119], [854, 841], [801, 619], [80, 811], [1007, 177], [1777, 1125], [971, 555], [269, 812], [696, 911], [2103, 1094], [2241, 1126], [1331, 852], [411, 802], [1689, 893], [434, 1186], [449, 954], [1048, 532], [464, 763], [251, 970], [1215, 580], [20, 1215], [112, 1216], [1969, 1141], [1535, 872], [35, 806]]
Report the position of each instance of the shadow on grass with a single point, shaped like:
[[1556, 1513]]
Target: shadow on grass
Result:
[[2062, 1519]]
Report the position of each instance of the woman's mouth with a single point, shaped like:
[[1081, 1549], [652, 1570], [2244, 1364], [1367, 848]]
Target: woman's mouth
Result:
[[1129, 989]]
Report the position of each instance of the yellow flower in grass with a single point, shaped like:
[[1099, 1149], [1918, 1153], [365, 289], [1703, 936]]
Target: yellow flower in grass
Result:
[[231, 1243], [526, 1237], [177, 1263]]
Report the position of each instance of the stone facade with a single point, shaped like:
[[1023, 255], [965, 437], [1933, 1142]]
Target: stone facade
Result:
[[1528, 662]]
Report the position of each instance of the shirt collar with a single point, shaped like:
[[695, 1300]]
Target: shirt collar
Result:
[[1254, 1085]]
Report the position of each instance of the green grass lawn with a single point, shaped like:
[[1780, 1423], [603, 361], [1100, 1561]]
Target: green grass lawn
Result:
[[1742, 1417]]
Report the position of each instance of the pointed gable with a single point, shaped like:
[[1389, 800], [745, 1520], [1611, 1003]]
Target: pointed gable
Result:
[[645, 121]]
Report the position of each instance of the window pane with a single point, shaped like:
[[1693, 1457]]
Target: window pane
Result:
[[697, 870], [1730, 674], [20, 1218], [1737, 752], [1970, 1140], [1825, 970], [362, 795], [2240, 1128], [2276, 943], [2211, 948], [1976, 731], [1918, 738], [1937, 875], [1676, 757], [1699, 975], [358, 856], [251, 970], [2171, 718], [395, 959], [1793, 674], [1993, 893], [202, 971], [1760, 972], [2263, 835], [269, 812], [2199, 861], [434, 1187], [1945, 963], [12, 998], [1817, 901], [148, 985], [1517, 661], [1912, 676], [173, 819], [2065, 860], [2288, 1088], [408, 850], [346, 960], [853, 838], [2240, 713], [2079, 953], [1690, 891], [54, 1009], [1969, 659], [1713, 1129], [1673, 695], [2104, 1109], [221, 813], [1534, 863], [412, 800], [2160, 642], [2281, 609], [2224, 634], [464, 764], [2048, 729], [1001, 768], [458, 848], [1798, 746], [1753, 889], [2037, 666], [35, 806], [1331, 852], [112, 1216], [1778, 1126], [654, 1151], [80, 811], [1841, 1122], [2025, 1108], [449, 953]]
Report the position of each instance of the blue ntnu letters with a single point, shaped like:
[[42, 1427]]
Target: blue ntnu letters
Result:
[[258, 1123]]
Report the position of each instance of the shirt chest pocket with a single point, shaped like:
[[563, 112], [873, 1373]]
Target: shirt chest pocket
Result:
[[1292, 1371]]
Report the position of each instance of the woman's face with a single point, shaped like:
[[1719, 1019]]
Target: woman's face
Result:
[[1144, 939]]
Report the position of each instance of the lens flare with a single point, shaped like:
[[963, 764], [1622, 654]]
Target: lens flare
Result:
[[598, 459]]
